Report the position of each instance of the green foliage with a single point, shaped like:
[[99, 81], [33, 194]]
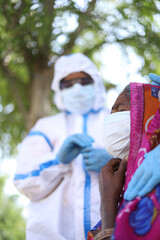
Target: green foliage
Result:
[[143, 19], [12, 224]]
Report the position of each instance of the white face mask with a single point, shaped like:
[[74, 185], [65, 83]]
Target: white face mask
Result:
[[116, 134], [79, 99]]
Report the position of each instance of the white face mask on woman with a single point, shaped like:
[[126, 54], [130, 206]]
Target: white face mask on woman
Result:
[[79, 99], [116, 134]]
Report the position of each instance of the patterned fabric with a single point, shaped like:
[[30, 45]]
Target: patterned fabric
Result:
[[140, 218], [95, 230]]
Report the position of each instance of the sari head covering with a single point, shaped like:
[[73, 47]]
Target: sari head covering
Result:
[[140, 218]]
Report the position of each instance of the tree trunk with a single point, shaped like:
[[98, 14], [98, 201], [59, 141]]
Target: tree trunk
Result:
[[39, 94]]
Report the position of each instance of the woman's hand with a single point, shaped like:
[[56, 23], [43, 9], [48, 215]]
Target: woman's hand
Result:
[[111, 181]]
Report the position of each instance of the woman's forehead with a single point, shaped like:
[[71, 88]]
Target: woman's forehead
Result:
[[122, 100]]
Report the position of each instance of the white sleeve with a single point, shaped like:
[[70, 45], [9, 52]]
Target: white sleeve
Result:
[[38, 170]]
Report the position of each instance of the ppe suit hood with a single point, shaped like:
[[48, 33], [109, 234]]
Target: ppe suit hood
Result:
[[77, 62]]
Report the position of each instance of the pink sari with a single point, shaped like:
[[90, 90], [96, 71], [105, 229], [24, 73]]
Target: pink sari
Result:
[[140, 218]]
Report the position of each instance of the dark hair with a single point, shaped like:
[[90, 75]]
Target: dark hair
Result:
[[127, 91]]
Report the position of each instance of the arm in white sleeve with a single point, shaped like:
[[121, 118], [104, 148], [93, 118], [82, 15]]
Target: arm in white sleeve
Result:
[[38, 170]]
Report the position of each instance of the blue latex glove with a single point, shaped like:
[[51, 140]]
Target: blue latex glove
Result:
[[95, 158], [155, 79], [72, 146], [146, 177]]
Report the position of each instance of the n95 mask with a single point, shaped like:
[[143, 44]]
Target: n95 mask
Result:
[[79, 99], [116, 135]]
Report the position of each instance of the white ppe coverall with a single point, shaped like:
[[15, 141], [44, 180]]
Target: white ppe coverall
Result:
[[64, 198]]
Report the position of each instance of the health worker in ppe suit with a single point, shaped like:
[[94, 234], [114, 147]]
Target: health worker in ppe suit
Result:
[[60, 159]]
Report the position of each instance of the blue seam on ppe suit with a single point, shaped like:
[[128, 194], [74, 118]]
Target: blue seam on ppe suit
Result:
[[36, 173], [42, 166], [87, 188], [32, 133]]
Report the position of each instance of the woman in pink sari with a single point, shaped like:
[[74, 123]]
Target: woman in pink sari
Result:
[[139, 218]]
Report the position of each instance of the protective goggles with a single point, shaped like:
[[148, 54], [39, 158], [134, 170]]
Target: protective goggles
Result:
[[69, 83]]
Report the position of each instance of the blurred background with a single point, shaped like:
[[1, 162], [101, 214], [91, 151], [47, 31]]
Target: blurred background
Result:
[[122, 37]]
